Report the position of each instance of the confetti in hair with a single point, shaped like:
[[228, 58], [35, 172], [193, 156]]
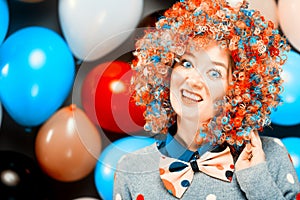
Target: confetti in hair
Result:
[[257, 49]]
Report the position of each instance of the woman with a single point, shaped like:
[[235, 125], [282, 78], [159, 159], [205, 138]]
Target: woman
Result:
[[209, 76]]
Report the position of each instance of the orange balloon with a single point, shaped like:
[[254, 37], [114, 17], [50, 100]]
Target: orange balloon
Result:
[[67, 145]]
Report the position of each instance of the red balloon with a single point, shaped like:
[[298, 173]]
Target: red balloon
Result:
[[107, 99]]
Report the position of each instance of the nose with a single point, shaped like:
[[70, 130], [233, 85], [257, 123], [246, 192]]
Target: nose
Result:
[[195, 80]]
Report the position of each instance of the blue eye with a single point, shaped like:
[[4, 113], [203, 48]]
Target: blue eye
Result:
[[214, 74], [186, 64]]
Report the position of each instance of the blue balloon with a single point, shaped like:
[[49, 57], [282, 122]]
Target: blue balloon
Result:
[[292, 145], [36, 74], [288, 113], [4, 19], [107, 162]]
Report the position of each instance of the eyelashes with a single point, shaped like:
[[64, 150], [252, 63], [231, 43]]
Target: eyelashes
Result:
[[212, 73], [187, 64], [215, 73]]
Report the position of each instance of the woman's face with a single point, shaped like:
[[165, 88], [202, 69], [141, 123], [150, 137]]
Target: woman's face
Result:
[[198, 80]]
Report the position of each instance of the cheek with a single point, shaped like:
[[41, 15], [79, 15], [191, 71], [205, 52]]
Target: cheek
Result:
[[218, 90], [176, 80], [175, 104], [177, 77]]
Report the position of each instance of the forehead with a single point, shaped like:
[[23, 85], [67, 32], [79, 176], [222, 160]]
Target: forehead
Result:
[[210, 52]]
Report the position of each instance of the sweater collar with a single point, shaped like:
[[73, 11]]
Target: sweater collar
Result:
[[172, 148]]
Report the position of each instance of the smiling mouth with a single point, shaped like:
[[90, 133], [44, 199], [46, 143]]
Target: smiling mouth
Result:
[[191, 97]]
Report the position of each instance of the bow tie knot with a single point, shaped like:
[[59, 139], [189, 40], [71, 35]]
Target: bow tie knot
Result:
[[194, 166], [177, 175]]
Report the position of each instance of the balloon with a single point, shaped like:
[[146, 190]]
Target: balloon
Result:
[[96, 27], [20, 177], [0, 114], [151, 19], [31, 1], [27, 13], [292, 145], [106, 165], [289, 112], [107, 100], [4, 19], [268, 8], [36, 74], [67, 145], [156, 5], [289, 15]]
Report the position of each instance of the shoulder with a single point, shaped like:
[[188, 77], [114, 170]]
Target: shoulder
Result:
[[273, 148], [272, 143], [142, 160], [280, 163]]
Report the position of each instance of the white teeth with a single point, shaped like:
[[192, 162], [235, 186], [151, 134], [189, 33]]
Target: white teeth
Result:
[[192, 96]]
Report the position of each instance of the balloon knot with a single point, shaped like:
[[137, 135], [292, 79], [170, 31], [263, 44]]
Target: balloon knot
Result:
[[72, 107]]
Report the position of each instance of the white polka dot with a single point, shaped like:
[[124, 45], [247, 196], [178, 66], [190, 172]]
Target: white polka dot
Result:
[[118, 197], [278, 141], [211, 197], [290, 178]]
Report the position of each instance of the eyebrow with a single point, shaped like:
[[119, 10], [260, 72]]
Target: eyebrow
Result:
[[221, 64]]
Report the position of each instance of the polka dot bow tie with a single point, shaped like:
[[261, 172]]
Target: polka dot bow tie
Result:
[[177, 175]]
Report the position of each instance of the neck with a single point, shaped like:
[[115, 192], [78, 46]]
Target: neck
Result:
[[186, 132]]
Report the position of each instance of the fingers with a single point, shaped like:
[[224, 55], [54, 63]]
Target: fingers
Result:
[[252, 153], [255, 139], [247, 153], [256, 148]]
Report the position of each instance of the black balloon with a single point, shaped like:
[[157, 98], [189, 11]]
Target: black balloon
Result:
[[149, 20], [20, 177], [25, 13]]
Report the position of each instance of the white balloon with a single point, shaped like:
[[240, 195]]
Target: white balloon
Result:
[[289, 15], [93, 28], [268, 8]]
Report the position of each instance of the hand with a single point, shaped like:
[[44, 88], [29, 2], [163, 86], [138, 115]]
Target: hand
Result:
[[252, 154]]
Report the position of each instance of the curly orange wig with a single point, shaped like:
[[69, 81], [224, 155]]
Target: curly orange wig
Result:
[[256, 47]]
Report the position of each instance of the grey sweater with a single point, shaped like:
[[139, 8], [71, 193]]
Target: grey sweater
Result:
[[137, 177]]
